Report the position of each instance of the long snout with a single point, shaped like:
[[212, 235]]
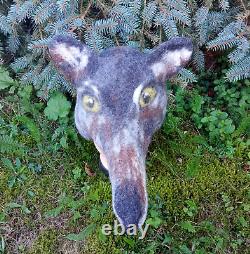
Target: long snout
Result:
[[130, 202], [127, 175]]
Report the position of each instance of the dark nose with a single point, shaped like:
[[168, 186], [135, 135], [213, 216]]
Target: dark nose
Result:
[[128, 203]]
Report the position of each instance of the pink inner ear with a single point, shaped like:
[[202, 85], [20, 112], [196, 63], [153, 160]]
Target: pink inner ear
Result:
[[70, 60], [171, 62], [72, 55]]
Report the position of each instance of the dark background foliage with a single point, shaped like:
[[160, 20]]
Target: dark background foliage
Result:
[[28, 26]]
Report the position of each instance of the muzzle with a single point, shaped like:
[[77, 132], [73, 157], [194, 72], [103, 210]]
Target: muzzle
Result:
[[126, 170]]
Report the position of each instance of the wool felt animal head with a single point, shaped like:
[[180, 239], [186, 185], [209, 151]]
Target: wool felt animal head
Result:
[[121, 101]]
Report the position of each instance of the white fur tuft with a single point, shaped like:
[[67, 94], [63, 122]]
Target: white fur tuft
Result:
[[171, 60], [137, 94], [72, 54]]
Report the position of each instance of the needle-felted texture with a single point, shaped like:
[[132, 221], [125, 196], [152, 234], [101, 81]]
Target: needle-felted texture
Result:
[[121, 102]]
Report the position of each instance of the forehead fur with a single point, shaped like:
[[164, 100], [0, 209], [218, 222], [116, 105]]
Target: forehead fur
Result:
[[121, 66], [118, 73]]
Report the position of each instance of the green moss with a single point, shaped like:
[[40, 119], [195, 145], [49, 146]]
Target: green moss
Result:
[[178, 170], [95, 246], [205, 189], [45, 243], [212, 180]]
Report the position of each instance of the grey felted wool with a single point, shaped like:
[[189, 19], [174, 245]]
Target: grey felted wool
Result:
[[121, 101]]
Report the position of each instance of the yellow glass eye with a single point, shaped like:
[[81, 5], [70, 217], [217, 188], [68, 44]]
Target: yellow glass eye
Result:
[[147, 96], [90, 103]]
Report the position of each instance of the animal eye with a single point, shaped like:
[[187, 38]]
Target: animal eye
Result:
[[147, 96], [90, 103]]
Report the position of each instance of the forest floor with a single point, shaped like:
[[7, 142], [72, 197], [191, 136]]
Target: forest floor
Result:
[[53, 199]]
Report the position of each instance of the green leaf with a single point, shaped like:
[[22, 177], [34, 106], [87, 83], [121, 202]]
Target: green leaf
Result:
[[53, 212], [57, 107], [5, 79], [2, 217], [167, 239], [14, 205], [196, 103], [31, 126], [2, 245], [77, 173], [94, 213], [83, 234], [94, 195], [25, 92], [129, 241], [185, 249], [25, 209], [193, 167], [63, 142], [155, 222], [31, 193], [11, 181], [7, 163], [204, 120], [76, 216], [243, 222], [246, 207], [188, 226]]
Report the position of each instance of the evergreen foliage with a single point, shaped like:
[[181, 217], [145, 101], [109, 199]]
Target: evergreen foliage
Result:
[[213, 25], [1, 52]]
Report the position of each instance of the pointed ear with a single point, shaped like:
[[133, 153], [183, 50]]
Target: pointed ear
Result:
[[169, 57], [70, 56]]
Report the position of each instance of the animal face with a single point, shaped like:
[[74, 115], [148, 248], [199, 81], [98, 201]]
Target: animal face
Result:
[[121, 102]]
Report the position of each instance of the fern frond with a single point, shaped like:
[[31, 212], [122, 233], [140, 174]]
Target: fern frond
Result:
[[181, 17], [149, 12], [179, 5], [201, 16], [25, 10], [105, 26], [5, 27], [57, 27], [13, 43], [224, 5], [223, 41], [94, 40], [39, 45], [215, 20], [44, 11], [127, 19], [46, 74], [134, 6], [10, 146], [236, 55], [234, 27], [187, 76], [199, 59], [63, 5], [241, 51], [238, 71], [21, 63], [169, 26], [12, 16], [201, 24], [65, 85], [31, 126]]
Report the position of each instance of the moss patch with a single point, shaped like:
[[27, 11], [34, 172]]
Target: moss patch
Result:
[[198, 203]]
